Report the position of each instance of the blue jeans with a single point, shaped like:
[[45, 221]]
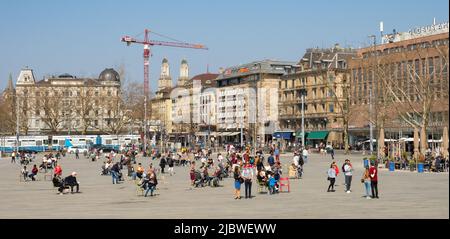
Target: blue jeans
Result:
[[115, 177], [150, 188], [305, 159], [367, 185]]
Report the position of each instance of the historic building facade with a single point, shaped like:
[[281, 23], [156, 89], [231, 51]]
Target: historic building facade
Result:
[[247, 101], [67, 104], [321, 75]]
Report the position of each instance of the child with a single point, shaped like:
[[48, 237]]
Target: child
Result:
[[272, 183]]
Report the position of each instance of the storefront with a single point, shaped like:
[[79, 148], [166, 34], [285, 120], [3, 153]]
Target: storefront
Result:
[[315, 138]]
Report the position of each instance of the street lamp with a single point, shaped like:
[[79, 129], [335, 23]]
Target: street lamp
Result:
[[370, 104], [303, 93], [17, 123]]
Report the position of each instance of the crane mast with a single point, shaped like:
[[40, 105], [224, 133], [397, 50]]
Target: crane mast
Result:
[[147, 44]]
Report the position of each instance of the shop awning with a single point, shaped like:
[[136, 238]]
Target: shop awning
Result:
[[233, 134], [283, 134], [317, 135]]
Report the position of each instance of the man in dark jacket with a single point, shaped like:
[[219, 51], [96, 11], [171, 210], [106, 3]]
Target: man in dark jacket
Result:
[[72, 182], [162, 163], [170, 162], [115, 173]]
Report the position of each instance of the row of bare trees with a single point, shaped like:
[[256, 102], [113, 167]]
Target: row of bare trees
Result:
[[82, 113], [414, 89], [420, 91]]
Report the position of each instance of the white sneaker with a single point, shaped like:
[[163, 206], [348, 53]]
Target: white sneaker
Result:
[[368, 197], [348, 192]]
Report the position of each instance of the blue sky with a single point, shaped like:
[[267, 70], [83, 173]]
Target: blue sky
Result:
[[83, 37]]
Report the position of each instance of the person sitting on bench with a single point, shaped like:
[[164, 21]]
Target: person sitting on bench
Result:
[[33, 173], [71, 181], [58, 182]]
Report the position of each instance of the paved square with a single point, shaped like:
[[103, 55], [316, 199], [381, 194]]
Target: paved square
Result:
[[403, 194]]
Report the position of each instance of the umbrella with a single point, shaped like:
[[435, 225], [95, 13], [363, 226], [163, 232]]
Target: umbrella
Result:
[[445, 143], [416, 142], [381, 143], [423, 141]]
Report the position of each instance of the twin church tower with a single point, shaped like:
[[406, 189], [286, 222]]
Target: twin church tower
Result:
[[165, 81]]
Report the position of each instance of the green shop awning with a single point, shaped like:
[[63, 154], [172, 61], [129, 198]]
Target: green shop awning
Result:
[[317, 135]]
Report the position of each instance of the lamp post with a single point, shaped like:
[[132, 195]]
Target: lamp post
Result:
[[370, 105], [303, 93], [242, 121], [17, 124]]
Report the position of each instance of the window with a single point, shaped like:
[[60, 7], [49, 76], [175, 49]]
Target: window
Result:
[[96, 122], [331, 108]]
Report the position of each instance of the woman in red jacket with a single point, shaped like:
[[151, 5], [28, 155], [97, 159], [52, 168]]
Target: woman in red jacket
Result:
[[58, 170], [336, 168]]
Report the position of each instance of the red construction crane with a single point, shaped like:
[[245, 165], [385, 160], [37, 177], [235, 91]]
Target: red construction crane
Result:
[[147, 44]]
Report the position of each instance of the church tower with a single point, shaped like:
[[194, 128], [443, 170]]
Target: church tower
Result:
[[184, 73], [165, 81]]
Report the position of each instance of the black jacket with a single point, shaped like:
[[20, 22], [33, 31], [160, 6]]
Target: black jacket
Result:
[[163, 162], [70, 180], [115, 168], [170, 162]]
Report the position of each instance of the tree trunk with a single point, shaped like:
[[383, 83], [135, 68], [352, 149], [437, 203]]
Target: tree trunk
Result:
[[346, 144]]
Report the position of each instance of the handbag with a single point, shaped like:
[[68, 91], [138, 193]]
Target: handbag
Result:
[[328, 178], [241, 180], [362, 180]]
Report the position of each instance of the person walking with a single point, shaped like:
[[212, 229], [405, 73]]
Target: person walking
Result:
[[366, 180], [77, 154], [170, 162], [332, 153], [151, 182], [248, 175], [13, 157], [331, 177], [271, 160], [373, 174], [277, 154], [115, 170], [162, 164], [237, 183], [348, 173], [305, 155]]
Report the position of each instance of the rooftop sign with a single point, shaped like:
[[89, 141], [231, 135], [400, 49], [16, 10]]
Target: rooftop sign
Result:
[[429, 30]]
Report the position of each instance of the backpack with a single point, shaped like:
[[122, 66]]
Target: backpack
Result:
[[300, 161], [343, 168]]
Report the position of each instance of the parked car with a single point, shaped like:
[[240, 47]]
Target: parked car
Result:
[[73, 149]]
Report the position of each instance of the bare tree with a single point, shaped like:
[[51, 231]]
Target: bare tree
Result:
[[7, 114], [52, 105], [420, 87], [84, 108], [117, 116]]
